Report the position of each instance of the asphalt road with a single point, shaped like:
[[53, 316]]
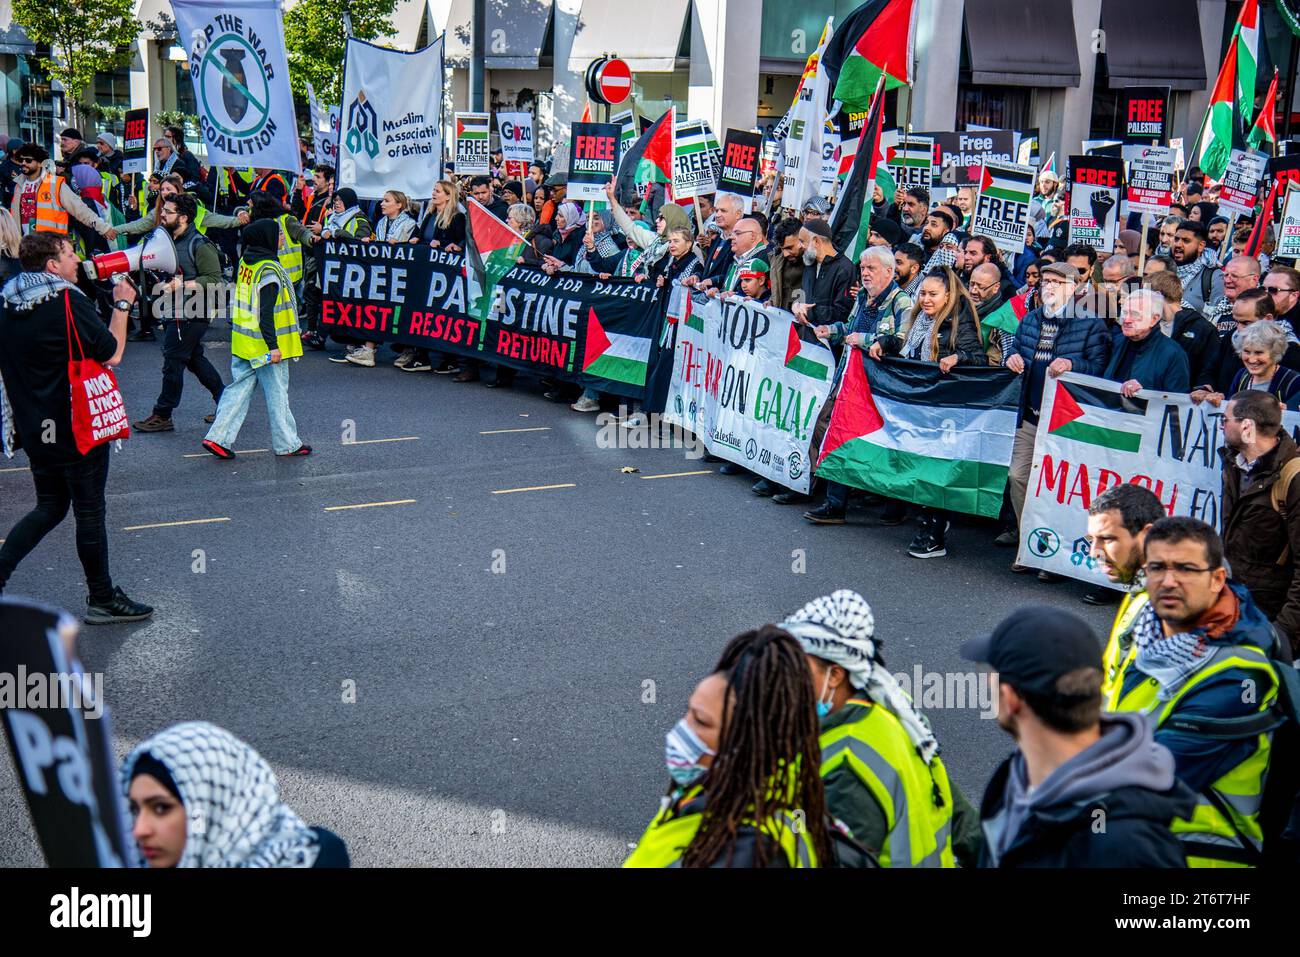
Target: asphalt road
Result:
[[517, 657]]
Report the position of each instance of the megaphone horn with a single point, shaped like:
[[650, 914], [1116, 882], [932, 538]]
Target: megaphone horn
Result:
[[157, 253]]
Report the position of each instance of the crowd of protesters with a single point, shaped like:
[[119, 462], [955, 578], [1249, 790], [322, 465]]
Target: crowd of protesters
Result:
[[1178, 309]]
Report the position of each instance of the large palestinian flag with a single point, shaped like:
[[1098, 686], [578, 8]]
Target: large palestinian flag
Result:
[[851, 220], [1263, 135], [904, 430], [491, 249], [614, 355], [1097, 417], [649, 159], [806, 358], [1220, 130], [874, 40]]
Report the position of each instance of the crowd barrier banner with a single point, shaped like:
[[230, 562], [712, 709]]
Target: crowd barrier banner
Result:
[[905, 430], [600, 333], [748, 386], [1090, 438]]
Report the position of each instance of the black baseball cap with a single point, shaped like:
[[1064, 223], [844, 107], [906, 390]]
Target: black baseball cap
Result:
[[1034, 647]]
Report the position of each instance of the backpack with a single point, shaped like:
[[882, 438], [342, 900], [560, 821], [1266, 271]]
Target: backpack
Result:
[[1277, 497], [1207, 283]]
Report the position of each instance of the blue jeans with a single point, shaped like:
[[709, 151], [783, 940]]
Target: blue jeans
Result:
[[274, 380]]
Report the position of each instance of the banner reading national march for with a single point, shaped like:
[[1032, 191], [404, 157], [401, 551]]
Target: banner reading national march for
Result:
[[1090, 438], [600, 333], [905, 430], [748, 386]]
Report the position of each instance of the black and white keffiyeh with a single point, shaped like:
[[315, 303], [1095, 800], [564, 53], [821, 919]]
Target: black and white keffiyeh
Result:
[[840, 628], [1170, 659], [27, 290], [234, 814]]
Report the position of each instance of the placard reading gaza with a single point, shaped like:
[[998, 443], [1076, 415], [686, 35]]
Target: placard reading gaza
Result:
[[597, 332]]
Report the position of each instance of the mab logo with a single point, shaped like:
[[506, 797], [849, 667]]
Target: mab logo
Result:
[[363, 124]]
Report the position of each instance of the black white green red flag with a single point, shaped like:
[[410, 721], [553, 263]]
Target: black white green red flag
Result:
[[491, 250]]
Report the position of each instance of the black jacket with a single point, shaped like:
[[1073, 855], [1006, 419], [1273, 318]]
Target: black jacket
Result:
[[826, 288], [1136, 831], [566, 248], [718, 260], [453, 235], [1255, 537], [1197, 337]]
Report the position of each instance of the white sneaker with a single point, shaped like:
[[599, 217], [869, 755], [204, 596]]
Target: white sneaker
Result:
[[404, 360], [585, 405], [637, 420], [363, 356]]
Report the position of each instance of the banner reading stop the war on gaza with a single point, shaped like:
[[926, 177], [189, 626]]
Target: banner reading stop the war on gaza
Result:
[[599, 333], [747, 385], [1090, 438]]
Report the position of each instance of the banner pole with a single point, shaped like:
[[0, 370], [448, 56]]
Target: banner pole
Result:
[[699, 219], [1142, 244]]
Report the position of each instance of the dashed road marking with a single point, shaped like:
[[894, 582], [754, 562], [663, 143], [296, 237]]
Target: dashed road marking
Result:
[[209, 455], [404, 438], [678, 474], [543, 428], [191, 521], [344, 508], [533, 488]]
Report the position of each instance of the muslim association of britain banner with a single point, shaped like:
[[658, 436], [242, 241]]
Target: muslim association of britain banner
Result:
[[391, 132], [1091, 438], [748, 385], [237, 63]]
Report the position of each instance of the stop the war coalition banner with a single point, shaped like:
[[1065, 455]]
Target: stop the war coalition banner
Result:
[[579, 328], [1090, 438], [235, 50], [391, 136], [747, 385]]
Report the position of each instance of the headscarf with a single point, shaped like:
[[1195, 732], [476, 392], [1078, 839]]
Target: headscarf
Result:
[[674, 218], [573, 216], [604, 239], [334, 222], [234, 814], [261, 240], [840, 628], [1208, 212]]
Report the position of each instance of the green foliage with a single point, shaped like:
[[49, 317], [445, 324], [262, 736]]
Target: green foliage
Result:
[[84, 37], [316, 39]]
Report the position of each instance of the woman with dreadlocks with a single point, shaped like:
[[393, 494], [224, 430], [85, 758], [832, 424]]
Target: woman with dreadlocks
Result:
[[879, 759], [742, 792]]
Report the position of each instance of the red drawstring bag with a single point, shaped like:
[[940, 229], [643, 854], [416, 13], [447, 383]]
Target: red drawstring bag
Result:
[[98, 411]]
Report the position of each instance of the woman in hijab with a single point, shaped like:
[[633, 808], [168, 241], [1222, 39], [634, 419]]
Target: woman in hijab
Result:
[[570, 223], [864, 714], [652, 242], [261, 239], [602, 248], [200, 797], [346, 221]]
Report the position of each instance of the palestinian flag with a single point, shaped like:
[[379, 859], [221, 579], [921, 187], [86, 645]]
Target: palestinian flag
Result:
[[1007, 316], [806, 358], [611, 355], [1219, 130], [874, 41], [649, 159], [472, 126], [905, 430], [909, 153], [1246, 34], [626, 122], [491, 249], [1097, 417], [851, 219], [1008, 184], [1263, 135]]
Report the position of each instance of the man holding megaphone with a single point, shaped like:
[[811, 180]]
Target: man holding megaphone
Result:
[[182, 303]]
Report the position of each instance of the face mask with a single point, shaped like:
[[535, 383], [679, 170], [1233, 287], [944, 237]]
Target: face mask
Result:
[[810, 257], [682, 752], [823, 701]]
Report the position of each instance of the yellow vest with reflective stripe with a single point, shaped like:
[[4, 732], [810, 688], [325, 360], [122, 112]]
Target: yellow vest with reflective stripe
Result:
[[199, 216], [1120, 647], [670, 833], [1241, 789], [916, 798], [290, 252], [246, 334]]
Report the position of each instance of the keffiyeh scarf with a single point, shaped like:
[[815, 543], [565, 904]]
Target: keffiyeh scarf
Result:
[[235, 817], [840, 628], [1170, 659]]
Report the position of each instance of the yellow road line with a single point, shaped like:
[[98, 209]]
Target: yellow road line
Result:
[[192, 521], [404, 438], [209, 455], [343, 508], [678, 474], [533, 488], [23, 468], [544, 428]]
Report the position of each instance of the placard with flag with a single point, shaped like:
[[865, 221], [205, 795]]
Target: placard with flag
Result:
[[473, 157], [905, 430], [1002, 208], [693, 170], [910, 161]]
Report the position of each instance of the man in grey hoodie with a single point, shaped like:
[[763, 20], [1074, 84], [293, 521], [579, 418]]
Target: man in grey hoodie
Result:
[[1083, 789]]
